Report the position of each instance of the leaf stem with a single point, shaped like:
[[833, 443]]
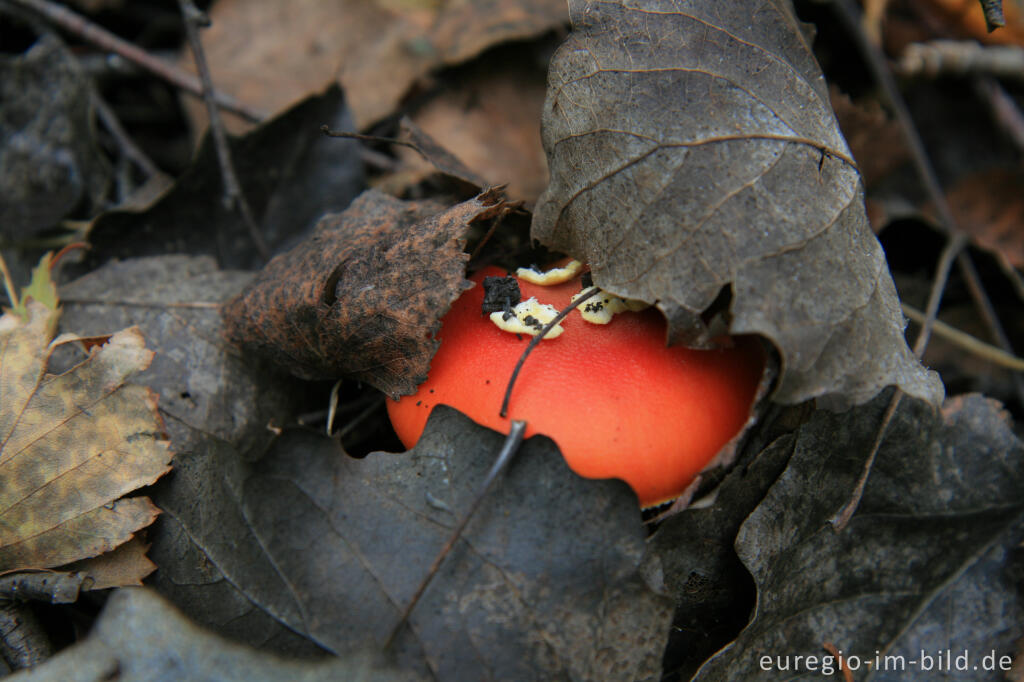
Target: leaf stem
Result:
[[12, 292], [234, 197], [537, 339]]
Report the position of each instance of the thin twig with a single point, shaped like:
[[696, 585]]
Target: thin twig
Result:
[[844, 515], [105, 40], [537, 339], [968, 343], [233, 196], [1011, 273], [326, 130], [954, 245], [993, 10], [510, 447], [121, 136], [359, 418], [955, 239], [961, 58], [1004, 109], [988, 315], [883, 76], [12, 291]]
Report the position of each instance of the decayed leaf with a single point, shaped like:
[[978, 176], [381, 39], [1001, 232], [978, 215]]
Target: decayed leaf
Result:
[[694, 149], [141, 638], [71, 445], [926, 563], [364, 295], [269, 56]]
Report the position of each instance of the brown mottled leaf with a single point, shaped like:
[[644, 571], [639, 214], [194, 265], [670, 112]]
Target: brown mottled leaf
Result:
[[364, 295], [71, 445], [692, 148]]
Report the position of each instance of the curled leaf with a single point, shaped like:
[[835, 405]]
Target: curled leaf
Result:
[[693, 149], [364, 295]]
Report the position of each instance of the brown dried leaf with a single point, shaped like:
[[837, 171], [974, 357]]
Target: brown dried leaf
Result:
[[71, 445], [693, 150], [491, 122], [436, 157], [875, 139], [123, 566], [966, 18], [364, 295], [989, 207], [270, 55]]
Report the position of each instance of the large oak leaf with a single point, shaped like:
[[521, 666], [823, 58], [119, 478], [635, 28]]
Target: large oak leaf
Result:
[[693, 148]]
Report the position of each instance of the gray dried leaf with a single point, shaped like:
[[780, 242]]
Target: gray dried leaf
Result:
[[544, 584], [928, 562], [692, 147], [139, 637]]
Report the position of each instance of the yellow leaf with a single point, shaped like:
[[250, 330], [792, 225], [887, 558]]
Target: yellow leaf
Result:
[[71, 445]]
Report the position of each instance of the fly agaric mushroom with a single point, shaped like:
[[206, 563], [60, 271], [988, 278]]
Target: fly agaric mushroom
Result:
[[616, 400]]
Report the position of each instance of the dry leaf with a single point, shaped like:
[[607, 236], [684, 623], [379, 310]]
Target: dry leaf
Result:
[[71, 445], [544, 584], [695, 150], [123, 566], [966, 18], [989, 207], [491, 122], [139, 637], [364, 295], [875, 139], [269, 55], [930, 560]]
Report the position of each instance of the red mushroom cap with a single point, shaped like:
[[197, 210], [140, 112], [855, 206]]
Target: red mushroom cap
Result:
[[616, 400]]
